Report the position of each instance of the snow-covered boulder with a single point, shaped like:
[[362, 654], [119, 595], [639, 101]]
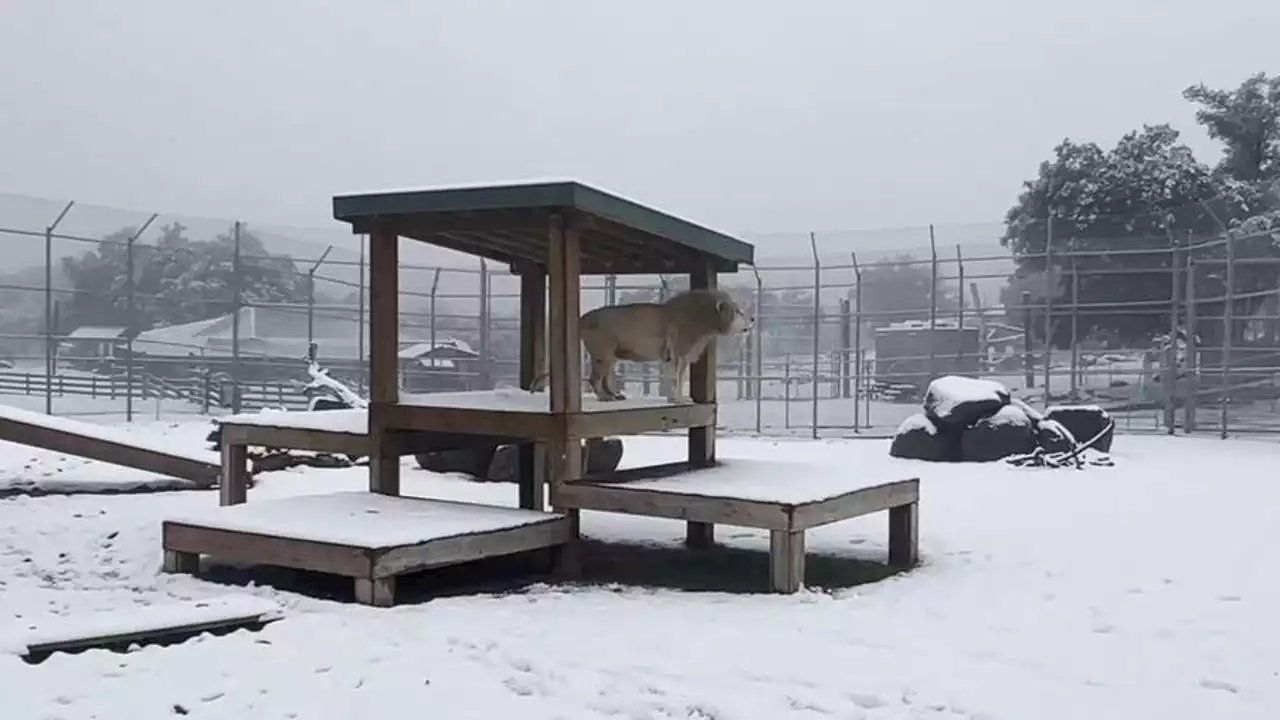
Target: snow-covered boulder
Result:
[[1008, 432], [918, 438], [1085, 422], [959, 402]]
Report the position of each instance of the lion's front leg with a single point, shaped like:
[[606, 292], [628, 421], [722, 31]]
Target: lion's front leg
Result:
[[682, 376]]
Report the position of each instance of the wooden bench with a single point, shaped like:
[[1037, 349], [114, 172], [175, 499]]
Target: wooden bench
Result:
[[736, 492]]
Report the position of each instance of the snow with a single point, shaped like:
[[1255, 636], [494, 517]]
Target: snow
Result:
[[1023, 607], [517, 400], [949, 391], [103, 432], [107, 623], [350, 421], [919, 421], [1010, 415], [778, 481], [1032, 413], [1083, 408], [461, 186], [361, 519]]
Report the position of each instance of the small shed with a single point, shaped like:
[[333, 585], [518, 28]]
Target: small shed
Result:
[[89, 345], [448, 365], [903, 351]]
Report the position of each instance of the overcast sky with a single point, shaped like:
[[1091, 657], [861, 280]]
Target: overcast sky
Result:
[[749, 116]]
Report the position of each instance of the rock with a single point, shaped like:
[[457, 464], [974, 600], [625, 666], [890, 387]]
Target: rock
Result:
[[1008, 432], [1084, 422], [918, 438], [600, 455], [959, 402], [473, 461], [1054, 437]]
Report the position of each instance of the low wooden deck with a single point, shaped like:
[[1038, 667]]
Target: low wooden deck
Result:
[[736, 492], [369, 537]]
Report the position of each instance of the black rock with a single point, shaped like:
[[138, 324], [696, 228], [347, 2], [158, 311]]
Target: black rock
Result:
[[600, 455], [1008, 432], [473, 461], [919, 438], [1084, 422], [959, 402]]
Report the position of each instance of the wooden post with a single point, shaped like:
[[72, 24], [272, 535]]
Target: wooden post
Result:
[[564, 454], [533, 349], [904, 535], [384, 339], [702, 389], [233, 485], [786, 560]]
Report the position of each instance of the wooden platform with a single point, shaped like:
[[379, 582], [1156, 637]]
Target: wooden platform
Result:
[[105, 444], [785, 498], [369, 537]]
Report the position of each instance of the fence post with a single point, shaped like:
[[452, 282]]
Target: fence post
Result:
[[1228, 329], [311, 296], [933, 307], [1028, 366], [846, 342], [817, 325], [360, 320], [50, 349], [1171, 353], [757, 354], [960, 331], [1075, 326], [435, 287], [859, 387], [235, 318], [1193, 351], [486, 357], [130, 321], [1048, 312]]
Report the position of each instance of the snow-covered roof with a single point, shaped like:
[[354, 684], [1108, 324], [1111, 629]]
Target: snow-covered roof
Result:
[[96, 332], [450, 346]]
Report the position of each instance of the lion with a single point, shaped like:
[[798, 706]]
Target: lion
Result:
[[675, 332]]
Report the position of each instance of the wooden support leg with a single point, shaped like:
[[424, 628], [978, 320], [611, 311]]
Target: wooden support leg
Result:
[[531, 475], [568, 558], [378, 592], [904, 535], [699, 535], [233, 485], [786, 560], [181, 562]]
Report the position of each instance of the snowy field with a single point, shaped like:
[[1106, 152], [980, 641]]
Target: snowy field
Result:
[[1138, 591]]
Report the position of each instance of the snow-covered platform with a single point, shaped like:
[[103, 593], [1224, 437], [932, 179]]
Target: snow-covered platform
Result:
[[784, 497], [366, 536]]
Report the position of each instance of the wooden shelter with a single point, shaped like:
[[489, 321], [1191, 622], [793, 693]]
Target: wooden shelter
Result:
[[550, 234]]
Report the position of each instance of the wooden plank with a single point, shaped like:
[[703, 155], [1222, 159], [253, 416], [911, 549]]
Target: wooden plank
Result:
[[307, 439], [786, 561], [904, 535], [469, 421], [863, 501], [259, 549], [201, 474], [154, 631], [530, 457], [233, 488], [634, 421], [678, 506], [384, 367], [466, 548]]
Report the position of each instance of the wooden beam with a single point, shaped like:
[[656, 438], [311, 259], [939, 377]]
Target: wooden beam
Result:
[[564, 458], [702, 388], [786, 560], [904, 535], [384, 366], [530, 462], [233, 485]]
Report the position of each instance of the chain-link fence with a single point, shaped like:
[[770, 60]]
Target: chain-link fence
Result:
[[109, 312]]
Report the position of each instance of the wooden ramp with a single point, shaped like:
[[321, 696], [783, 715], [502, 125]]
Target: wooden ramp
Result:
[[151, 625], [106, 444]]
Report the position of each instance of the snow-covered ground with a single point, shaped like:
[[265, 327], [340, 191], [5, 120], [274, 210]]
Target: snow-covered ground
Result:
[[1138, 591]]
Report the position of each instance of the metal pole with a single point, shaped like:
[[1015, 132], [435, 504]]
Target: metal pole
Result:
[[1193, 351], [933, 306], [50, 351], [1048, 311], [235, 317], [130, 330], [311, 296], [757, 332], [1228, 327], [1171, 352], [360, 319], [817, 324], [486, 358], [435, 285], [858, 385], [1028, 367], [1075, 327], [960, 307]]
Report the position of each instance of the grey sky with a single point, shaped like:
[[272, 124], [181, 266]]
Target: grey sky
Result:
[[749, 116]]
